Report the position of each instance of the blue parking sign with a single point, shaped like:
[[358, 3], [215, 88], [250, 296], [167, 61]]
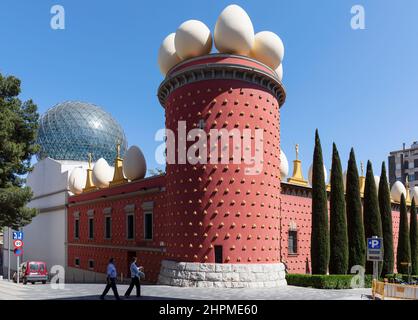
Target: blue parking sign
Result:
[[17, 235], [374, 243]]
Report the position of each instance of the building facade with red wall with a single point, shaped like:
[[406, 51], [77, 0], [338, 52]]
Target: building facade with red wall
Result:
[[216, 223], [119, 202]]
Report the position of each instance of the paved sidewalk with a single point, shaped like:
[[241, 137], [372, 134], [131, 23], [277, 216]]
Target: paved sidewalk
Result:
[[12, 291]]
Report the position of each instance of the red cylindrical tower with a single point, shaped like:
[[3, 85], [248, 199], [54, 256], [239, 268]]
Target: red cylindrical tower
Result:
[[217, 212]]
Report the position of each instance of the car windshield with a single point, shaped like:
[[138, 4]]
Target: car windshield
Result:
[[33, 267]]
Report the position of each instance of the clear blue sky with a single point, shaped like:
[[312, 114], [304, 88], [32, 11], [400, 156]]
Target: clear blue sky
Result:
[[359, 88]]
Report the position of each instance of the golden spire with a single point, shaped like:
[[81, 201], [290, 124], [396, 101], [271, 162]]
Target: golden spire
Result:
[[297, 177], [89, 181], [362, 179], [329, 182], [118, 177]]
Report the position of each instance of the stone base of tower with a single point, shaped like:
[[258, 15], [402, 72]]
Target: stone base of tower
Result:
[[216, 275]]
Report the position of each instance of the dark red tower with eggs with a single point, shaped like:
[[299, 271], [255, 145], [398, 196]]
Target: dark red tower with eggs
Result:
[[220, 210]]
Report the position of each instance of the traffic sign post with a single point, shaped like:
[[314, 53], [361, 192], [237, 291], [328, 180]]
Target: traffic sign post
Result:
[[375, 253], [17, 270], [8, 253], [18, 250]]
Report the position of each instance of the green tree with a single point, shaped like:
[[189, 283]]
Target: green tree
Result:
[[403, 255], [156, 172], [414, 237], [338, 263], [356, 240], [18, 128], [320, 234], [371, 216], [385, 207]]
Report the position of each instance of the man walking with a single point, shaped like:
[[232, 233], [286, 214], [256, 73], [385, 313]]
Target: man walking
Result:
[[135, 276], [111, 280]]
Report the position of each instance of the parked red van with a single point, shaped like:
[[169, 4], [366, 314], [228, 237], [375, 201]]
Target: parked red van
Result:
[[32, 271]]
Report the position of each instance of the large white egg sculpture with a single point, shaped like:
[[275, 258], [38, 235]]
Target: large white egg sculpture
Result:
[[167, 56], [193, 39], [102, 173], [377, 182], [134, 165], [268, 48], [77, 180], [284, 165], [234, 31], [279, 72], [414, 194], [397, 190], [310, 174]]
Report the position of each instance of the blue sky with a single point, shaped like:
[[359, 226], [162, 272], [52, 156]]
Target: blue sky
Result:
[[358, 87]]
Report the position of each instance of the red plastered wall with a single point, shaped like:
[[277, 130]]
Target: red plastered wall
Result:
[[218, 204], [296, 211], [99, 249]]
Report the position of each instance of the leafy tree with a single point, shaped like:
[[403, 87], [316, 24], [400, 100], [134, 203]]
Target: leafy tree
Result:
[[413, 235], [156, 172], [338, 263], [320, 234], [386, 216], [356, 240], [371, 216], [403, 255], [18, 128]]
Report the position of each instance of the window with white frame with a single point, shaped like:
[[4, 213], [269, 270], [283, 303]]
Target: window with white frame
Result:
[[293, 242], [108, 227], [130, 226], [148, 225], [130, 221], [91, 228], [148, 209], [76, 228]]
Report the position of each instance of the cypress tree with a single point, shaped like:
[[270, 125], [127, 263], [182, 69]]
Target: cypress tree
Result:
[[356, 240], [386, 215], [371, 216], [338, 263], [414, 238], [320, 234], [404, 246]]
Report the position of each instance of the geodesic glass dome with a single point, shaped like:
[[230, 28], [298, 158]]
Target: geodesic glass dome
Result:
[[72, 129]]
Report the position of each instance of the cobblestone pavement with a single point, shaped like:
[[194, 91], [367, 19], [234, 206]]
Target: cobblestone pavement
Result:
[[12, 291]]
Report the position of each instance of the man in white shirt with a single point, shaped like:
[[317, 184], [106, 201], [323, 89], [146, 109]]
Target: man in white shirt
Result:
[[111, 280], [135, 277]]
